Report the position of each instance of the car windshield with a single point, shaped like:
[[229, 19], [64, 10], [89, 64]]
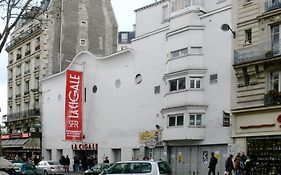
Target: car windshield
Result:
[[97, 166], [53, 163]]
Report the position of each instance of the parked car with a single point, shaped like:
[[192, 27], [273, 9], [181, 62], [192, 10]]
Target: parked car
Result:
[[24, 169], [139, 167], [6, 167], [97, 169], [46, 167]]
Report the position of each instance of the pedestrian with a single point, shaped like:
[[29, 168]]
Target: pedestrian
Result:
[[248, 166], [212, 164], [67, 163], [62, 160], [242, 163], [36, 160], [229, 165], [237, 164], [76, 163], [106, 160]]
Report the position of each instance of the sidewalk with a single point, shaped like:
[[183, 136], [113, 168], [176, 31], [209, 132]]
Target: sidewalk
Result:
[[74, 173]]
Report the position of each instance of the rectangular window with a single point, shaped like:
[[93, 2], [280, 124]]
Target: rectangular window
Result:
[[156, 89], [195, 83], [179, 53], [195, 119], [246, 76], [19, 54], [177, 84], [27, 49], [248, 36], [124, 37], [165, 13], [37, 47], [274, 83], [195, 50], [275, 39], [176, 120], [26, 88]]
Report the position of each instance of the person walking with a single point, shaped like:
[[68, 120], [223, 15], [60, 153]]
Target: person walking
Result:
[[67, 163], [237, 164], [212, 164], [106, 160], [229, 167]]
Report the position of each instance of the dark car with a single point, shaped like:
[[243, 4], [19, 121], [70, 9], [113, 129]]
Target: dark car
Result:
[[25, 169], [97, 169]]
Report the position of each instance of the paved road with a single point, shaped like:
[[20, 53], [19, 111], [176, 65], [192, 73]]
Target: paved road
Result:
[[74, 173]]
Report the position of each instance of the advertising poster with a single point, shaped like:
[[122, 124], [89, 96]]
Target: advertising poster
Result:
[[73, 106]]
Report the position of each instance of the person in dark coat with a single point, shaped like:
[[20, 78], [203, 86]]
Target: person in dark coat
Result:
[[67, 163], [229, 167], [36, 160], [212, 164], [106, 160]]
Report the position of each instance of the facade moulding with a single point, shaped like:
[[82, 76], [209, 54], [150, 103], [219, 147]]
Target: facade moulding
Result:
[[184, 29], [184, 72], [184, 108], [151, 33]]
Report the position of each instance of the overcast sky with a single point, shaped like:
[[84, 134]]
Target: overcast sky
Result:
[[125, 15]]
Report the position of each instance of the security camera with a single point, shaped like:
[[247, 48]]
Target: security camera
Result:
[[225, 27]]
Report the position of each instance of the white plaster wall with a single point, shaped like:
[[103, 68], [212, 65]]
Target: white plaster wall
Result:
[[150, 19]]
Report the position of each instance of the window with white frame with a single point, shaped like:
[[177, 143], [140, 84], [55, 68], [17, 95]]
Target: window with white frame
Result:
[[195, 119], [179, 53], [165, 13], [274, 81], [124, 37], [176, 120], [195, 82], [195, 50], [248, 36], [27, 49], [177, 84]]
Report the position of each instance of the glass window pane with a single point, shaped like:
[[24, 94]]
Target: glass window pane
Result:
[[173, 85], [181, 83], [192, 83], [180, 120], [198, 119], [172, 121], [192, 119], [197, 83]]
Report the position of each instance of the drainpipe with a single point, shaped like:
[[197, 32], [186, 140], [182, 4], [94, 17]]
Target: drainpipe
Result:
[[60, 54]]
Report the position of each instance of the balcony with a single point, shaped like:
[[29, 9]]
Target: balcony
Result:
[[258, 52], [269, 6], [19, 56], [184, 133], [23, 37], [272, 98], [23, 115]]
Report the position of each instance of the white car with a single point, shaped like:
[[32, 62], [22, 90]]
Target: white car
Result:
[[48, 167], [139, 168]]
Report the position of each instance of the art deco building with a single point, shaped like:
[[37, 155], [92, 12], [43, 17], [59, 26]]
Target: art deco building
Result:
[[256, 96], [41, 47]]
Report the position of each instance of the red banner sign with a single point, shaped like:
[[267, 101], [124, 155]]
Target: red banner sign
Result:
[[73, 106]]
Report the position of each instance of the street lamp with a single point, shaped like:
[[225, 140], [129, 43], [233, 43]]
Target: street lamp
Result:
[[226, 27]]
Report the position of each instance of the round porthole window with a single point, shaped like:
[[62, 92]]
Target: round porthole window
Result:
[[138, 78], [117, 83], [95, 88]]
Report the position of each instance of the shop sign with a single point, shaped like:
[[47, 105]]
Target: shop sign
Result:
[[15, 136], [84, 146], [73, 106], [144, 136], [5, 136]]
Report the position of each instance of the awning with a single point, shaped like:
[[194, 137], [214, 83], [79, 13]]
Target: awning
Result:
[[13, 143]]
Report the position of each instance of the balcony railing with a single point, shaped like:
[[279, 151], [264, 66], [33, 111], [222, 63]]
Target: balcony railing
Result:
[[23, 115], [24, 36], [257, 52], [272, 99], [272, 5]]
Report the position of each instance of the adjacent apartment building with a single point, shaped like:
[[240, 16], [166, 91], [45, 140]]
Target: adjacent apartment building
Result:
[[256, 110], [43, 45], [164, 98]]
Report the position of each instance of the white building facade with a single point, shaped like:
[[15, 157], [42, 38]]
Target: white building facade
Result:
[[173, 86]]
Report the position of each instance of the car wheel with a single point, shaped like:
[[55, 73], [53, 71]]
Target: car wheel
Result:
[[45, 172]]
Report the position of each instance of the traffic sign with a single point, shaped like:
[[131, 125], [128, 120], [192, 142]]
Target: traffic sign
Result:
[[151, 143]]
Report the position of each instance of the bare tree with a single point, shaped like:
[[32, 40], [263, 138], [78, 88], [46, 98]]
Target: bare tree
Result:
[[11, 11]]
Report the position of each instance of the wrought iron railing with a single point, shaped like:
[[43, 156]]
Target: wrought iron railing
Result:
[[257, 52], [23, 115], [270, 5], [272, 99]]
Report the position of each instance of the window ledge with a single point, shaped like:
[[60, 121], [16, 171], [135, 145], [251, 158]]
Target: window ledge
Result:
[[248, 3], [170, 127], [191, 54], [199, 126]]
